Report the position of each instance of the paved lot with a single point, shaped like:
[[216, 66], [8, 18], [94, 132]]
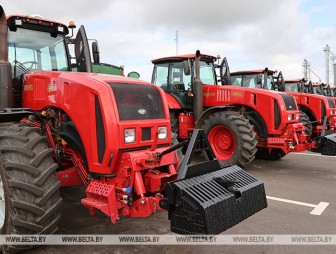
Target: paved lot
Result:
[[306, 178]]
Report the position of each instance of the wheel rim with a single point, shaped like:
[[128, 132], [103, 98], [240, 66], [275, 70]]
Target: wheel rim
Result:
[[223, 142], [2, 205]]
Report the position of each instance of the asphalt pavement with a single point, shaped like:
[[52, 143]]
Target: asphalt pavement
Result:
[[297, 186]]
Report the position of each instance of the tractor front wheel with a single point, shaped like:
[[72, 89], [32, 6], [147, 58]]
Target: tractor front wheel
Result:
[[232, 138], [305, 120], [29, 190]]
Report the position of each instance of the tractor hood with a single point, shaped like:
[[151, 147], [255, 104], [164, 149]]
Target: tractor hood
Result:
[[251, 96]]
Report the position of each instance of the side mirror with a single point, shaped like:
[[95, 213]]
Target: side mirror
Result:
[[133, 74], [281, 82], [225, 72], [95, 52], [186, 67]]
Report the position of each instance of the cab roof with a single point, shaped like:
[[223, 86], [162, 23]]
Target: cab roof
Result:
[[270, 72], [182, 57], [294, 80], [36, 23]]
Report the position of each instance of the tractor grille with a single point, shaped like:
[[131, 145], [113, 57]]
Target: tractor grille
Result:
[[146, 134], [137, 102]]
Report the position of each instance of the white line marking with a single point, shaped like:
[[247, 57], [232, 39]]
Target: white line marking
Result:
[[312, 154], [318, 209]]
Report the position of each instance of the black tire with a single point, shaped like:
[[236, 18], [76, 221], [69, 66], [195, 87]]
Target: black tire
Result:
[[174, 122], [175, 137], [243, 145], [265, 154], [304, 118], [31, 189]]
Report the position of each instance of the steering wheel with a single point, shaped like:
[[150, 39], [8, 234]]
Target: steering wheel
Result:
[[32, 63], [20, 66]]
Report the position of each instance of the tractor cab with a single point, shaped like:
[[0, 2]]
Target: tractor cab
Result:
[[173, 75], [263, 79], [36, 44], [317, 88], [296, 85], [320, 89], [327, 90], [333, 91]]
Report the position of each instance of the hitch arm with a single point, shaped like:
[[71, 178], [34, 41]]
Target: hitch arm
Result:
[[171, 149]]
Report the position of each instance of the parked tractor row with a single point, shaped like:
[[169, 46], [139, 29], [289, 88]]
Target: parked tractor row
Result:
[[241, 122], [317, 112], [62, 125]]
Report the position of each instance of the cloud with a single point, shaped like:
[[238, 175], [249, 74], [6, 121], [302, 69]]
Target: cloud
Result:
[[251, 34]]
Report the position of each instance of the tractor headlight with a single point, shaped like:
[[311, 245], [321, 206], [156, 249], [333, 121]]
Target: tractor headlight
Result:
[[289, 117], [297, 116], [129, 135], [162, 133]]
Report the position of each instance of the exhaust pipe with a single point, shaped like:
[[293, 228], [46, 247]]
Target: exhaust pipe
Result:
[[197, 89], [6, 87]]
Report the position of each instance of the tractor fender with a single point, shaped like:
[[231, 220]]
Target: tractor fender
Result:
[[69, 132], [210, 111], [174, 102], [250, 114], [257, 121]]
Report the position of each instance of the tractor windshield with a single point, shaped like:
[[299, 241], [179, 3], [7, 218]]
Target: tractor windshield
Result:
[[291, 87], [317, 89], [171, 76], [255, 80], [35, 50]]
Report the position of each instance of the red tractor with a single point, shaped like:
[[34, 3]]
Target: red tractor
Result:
[[108, 133], [321, 89], [228, 114], [313, 108]]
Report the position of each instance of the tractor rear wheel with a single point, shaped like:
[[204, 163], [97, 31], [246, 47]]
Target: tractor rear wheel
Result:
[[29, 190], [232, 138], [265, 154], [305, 120]]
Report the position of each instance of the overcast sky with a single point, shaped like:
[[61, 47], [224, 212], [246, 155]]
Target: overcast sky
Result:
[[251, 34]]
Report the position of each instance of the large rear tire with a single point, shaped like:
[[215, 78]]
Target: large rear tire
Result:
[[29, 190], [232, 138]]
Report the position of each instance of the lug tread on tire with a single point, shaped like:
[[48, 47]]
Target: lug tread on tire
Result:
[[245, 138], [31, 187]]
